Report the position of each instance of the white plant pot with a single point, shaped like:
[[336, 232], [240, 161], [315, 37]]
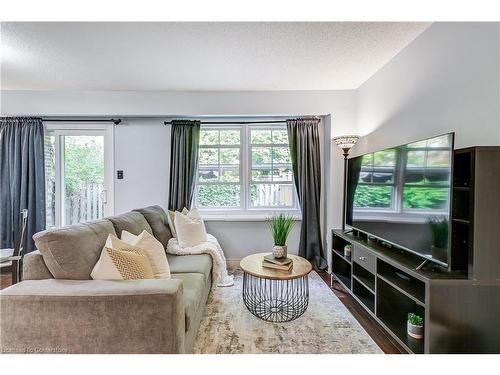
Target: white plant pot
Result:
[[417, 332], [279, 251]]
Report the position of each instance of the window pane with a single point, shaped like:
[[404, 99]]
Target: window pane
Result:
[[416, 159], [261, 137], [261, 174], [209, 137], [83, 178], [443, 141], [280, 136], [373, 196], [367, 160], [230, 137], [438, 158], [261, 155], [386, 158], [283, 174], [271, 195], [218, 196], [229, 174], [50, 181], [281, 155], [208, 174], [425, 198], [209, 156], [230, 156]]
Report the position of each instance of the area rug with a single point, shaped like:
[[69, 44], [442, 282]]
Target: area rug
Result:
[[326, 327]]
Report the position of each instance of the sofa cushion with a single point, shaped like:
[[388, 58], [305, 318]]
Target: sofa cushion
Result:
[[158, 221], [194, 289], [201, 263], [132, 222], [71, 252]]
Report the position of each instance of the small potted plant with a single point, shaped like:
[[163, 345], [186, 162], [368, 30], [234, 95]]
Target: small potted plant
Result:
[[415, 326], [281, 225]]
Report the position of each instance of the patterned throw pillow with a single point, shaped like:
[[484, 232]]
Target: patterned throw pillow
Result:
[[121, 261], [131, 264]]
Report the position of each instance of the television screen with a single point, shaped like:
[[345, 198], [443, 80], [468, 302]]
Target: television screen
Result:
[[402, 195]]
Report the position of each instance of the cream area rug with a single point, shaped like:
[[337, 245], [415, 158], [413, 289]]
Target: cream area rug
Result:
[[326, 327]]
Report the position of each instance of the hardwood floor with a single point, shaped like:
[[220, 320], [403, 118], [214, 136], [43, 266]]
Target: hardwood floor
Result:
[[376, 332]]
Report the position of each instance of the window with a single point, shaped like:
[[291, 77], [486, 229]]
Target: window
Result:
[[245, 168], [78, 173]]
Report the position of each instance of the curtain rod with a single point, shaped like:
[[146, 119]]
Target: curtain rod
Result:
[[235, 122], [114, 120]]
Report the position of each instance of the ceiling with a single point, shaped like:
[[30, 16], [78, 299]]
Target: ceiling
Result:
[[198, 56]]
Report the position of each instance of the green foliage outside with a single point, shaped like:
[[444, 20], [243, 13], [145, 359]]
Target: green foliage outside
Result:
[[218, 195], [422, 198], [372, 196], [84, 162]]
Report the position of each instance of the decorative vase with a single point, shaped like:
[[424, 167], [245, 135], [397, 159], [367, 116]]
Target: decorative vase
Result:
[[417, 332], [279, 251], [347, 251]]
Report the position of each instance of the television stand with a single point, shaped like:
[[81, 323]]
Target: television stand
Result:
[[459, 314]]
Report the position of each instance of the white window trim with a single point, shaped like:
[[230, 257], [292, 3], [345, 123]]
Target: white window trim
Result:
[[92, 128], [245, 212]]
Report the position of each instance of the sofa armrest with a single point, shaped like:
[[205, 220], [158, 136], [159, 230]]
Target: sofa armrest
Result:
[[34, 267], [93, 316]]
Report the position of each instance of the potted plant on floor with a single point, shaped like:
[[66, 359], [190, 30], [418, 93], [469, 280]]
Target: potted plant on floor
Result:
[[415, 326], [281, 225]]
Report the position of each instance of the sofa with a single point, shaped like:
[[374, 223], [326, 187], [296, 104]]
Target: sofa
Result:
[[58, 308]]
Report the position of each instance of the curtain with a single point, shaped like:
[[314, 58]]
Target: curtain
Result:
[[303, 136], [22, 179], [185, 140]]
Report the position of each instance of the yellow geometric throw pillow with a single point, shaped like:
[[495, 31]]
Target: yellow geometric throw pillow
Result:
[[131, 264]]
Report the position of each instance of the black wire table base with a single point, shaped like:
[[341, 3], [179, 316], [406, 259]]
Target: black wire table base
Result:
[[276, 301]]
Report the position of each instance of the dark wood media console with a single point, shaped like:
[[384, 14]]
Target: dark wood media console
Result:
[[461, 304]]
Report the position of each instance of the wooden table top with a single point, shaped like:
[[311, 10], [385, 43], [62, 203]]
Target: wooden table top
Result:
[[252, 265]]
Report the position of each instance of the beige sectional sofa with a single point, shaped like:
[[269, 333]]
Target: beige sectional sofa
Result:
[[58, 308]]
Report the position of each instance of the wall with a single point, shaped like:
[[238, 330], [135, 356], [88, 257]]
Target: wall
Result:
[[447, 79], [142, 145]]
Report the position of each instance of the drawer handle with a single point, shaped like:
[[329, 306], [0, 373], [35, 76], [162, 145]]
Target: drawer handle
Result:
[[363, 258]]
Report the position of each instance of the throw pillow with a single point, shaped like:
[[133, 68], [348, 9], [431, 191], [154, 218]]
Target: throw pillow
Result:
[[170, 219], [190, 229], [153, 249], [121, 261]]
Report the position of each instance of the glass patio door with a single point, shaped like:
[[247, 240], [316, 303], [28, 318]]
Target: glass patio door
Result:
[[78, 173]]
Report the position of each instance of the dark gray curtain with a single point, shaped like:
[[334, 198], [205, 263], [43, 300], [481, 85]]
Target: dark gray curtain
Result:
[[303, 136], [22, 182], [183, 163]]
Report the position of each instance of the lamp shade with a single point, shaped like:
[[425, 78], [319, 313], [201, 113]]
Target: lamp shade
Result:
[[346, 141]]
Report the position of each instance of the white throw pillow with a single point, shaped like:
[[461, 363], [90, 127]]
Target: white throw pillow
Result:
[[153, 249], [190, 229]]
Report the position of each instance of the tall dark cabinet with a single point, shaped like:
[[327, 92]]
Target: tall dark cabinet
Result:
[[461, 304]]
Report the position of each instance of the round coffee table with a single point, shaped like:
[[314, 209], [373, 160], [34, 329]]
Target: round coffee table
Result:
[[275, 295]]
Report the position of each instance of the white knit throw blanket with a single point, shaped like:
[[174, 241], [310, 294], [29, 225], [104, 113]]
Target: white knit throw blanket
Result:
[[211, 247]]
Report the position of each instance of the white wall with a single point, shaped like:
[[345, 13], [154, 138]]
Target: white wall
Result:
[[447, 79], [142, 145]]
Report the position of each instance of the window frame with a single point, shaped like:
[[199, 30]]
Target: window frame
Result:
[[245, 210]]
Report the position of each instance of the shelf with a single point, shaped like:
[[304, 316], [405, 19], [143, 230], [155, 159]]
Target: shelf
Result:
[[341, 255], [400, 280], [364, 276], [364, 283], [345, 281], [461, 188], [364, 295]]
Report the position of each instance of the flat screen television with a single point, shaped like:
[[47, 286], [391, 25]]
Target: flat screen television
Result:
[[401, 195]]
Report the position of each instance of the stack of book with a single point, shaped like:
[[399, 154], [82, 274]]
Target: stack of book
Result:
[[283, 264]]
